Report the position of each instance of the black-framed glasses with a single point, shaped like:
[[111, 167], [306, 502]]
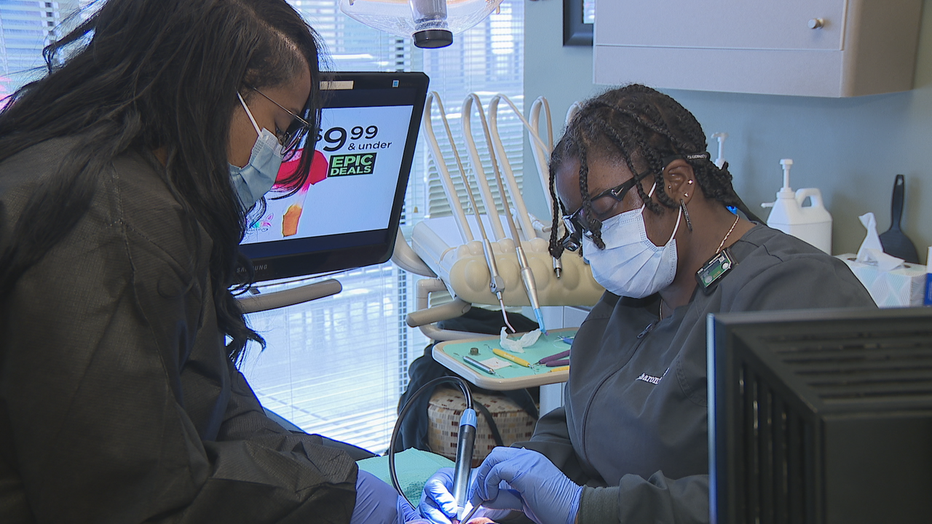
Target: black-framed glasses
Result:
[[297, 130], [576, 224]]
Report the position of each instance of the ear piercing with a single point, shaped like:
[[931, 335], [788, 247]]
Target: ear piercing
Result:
[[689, 224]]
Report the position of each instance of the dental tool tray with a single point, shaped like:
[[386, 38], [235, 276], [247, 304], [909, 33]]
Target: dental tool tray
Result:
[[510, 375], [462, 267]]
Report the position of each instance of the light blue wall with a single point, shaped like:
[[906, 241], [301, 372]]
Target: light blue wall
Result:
[[850, 148]]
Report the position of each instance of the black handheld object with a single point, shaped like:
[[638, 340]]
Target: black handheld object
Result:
[[464, 448], [893, 240], [461, 444]]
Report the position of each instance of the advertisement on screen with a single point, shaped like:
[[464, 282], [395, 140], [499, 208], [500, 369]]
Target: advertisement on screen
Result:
[[353, 178]]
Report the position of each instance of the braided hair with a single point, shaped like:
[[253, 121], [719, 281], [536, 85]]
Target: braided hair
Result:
[[645, 129]]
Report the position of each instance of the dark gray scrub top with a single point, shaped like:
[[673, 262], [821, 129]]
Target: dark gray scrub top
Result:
[[634, 425]]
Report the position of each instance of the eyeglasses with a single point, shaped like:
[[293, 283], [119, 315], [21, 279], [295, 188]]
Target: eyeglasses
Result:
[[291, 137], [576, 223]]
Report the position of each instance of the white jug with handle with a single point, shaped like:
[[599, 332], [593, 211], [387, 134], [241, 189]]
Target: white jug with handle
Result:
[[812, 223]]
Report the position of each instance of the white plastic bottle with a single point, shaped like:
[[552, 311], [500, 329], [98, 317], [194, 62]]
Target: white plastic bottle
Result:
[[812, 223]]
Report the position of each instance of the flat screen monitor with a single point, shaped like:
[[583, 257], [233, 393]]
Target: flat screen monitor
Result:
[[821, 416], [347, 214]]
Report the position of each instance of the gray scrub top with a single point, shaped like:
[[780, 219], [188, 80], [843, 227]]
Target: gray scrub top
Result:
[[118, 402], [634, 424]]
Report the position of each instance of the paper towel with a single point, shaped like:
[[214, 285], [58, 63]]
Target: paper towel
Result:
[[871, 250], [890, 281], [517, 346]]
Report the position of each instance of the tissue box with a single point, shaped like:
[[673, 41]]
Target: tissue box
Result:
[[900, 287]]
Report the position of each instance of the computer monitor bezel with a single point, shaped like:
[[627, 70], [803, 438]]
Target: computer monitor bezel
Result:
[[846, 475]]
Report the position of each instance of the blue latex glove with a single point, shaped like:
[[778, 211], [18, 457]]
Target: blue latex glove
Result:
[[437, 502], [521, 479], [379, 503]]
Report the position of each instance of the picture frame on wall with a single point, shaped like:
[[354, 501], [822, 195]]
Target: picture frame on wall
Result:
[[577, 22]]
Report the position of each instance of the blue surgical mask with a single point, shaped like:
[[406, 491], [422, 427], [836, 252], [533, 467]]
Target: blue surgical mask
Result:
[[631, 265], [257, 177]]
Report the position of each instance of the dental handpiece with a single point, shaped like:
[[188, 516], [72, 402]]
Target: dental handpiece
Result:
[[496, 282], [464, 449], [528, 277]]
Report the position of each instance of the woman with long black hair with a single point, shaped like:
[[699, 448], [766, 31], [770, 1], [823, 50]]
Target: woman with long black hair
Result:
[[126, 174]]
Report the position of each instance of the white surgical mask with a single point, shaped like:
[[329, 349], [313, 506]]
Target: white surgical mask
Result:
[[257, 177], [631, 265]]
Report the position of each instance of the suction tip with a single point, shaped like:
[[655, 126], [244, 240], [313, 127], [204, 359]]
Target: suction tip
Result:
[[540, 320]]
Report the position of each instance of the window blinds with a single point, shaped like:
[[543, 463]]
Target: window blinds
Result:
[[337, 366], [25, 27]]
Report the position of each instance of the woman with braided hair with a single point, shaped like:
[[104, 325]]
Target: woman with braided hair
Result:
[[653, 216]]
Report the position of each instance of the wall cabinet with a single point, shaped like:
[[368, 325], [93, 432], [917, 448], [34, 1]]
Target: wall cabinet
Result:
[[828, 48]]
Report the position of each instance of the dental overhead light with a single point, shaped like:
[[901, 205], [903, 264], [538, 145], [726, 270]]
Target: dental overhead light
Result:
[[430, 22]]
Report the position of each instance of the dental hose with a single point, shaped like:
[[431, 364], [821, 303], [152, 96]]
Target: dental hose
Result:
[[465, 441]]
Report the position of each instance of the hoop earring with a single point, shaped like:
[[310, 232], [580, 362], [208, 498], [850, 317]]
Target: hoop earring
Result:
[[689, 224]]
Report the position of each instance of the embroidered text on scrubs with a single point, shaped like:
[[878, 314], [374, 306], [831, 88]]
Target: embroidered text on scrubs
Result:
[[651, 379]]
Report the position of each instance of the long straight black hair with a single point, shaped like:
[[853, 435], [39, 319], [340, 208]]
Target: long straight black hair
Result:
[[157, 75]]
